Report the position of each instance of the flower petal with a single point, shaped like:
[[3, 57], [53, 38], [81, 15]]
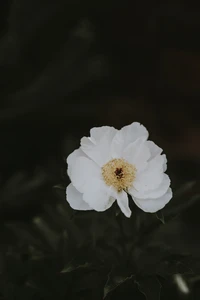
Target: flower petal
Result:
[[126, 136], [122, 201], [117, 145], [152, 176], [99, 151], [72, 158], [165, 163], [87, 142], [133, 132], [83, 171], [137, 153], [97, 133], [154, 149], [153, 205], [98, 195], [75, 199], [158, 192]]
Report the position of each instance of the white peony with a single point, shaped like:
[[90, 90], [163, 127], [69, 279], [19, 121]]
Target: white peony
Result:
[[111, 163]]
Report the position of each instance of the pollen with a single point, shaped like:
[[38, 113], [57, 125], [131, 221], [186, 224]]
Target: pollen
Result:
[[119, 174]]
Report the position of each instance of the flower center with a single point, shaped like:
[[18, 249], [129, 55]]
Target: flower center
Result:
[[119, 174]]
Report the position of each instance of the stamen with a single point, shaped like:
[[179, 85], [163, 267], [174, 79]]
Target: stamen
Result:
[[119, 174]]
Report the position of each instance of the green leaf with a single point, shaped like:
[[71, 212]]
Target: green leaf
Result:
[[150, 287], [60, 187], [186, 196], [71, 266], [160, 216], [147, 259], [113, 282], [171, 267]]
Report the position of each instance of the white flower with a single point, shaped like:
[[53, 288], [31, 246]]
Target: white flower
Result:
[[111, 163]]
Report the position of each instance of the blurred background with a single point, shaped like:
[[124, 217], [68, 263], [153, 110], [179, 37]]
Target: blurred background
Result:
[[67, 66]]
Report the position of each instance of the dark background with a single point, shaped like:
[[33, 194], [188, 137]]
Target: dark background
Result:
[[67, 66]]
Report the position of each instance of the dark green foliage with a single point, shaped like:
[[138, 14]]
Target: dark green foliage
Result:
[[150, 287], [88, 255]]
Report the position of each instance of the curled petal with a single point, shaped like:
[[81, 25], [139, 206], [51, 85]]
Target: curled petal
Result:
[[137, 153], [98, 195], [83, 171], [126, 136], [158, 192], [99, 151], [122, 201], [97, 133], [153, 205], [71, 159], [154, 149], [75, 199], [152, 176], [165, 163]]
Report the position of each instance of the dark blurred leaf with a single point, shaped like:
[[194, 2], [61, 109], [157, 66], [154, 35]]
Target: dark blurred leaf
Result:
[[183, 189], [114, 280], [160, 216], [20, 183], [60, 191], [45, 230], [147, 259], [150, 287], [26, 234], [173, 266], [72, 266], [186, 196], [60, 187], [90, 280]]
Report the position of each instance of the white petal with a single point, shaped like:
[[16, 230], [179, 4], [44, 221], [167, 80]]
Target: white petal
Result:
[[72, 158], [152, 176], [126, 136], [158, 192], [87, 142], [122, 201], [75, 199], [153, 205], [165, 163], [99, 152], [137, 153], [154, 149], [83, 171], [117, 145], [98, 195], [97, 133], [133, 132]]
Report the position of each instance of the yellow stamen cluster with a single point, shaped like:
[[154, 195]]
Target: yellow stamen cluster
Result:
[[119, 174]]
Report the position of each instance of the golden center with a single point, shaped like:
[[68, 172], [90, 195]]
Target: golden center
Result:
[[119, 174]]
